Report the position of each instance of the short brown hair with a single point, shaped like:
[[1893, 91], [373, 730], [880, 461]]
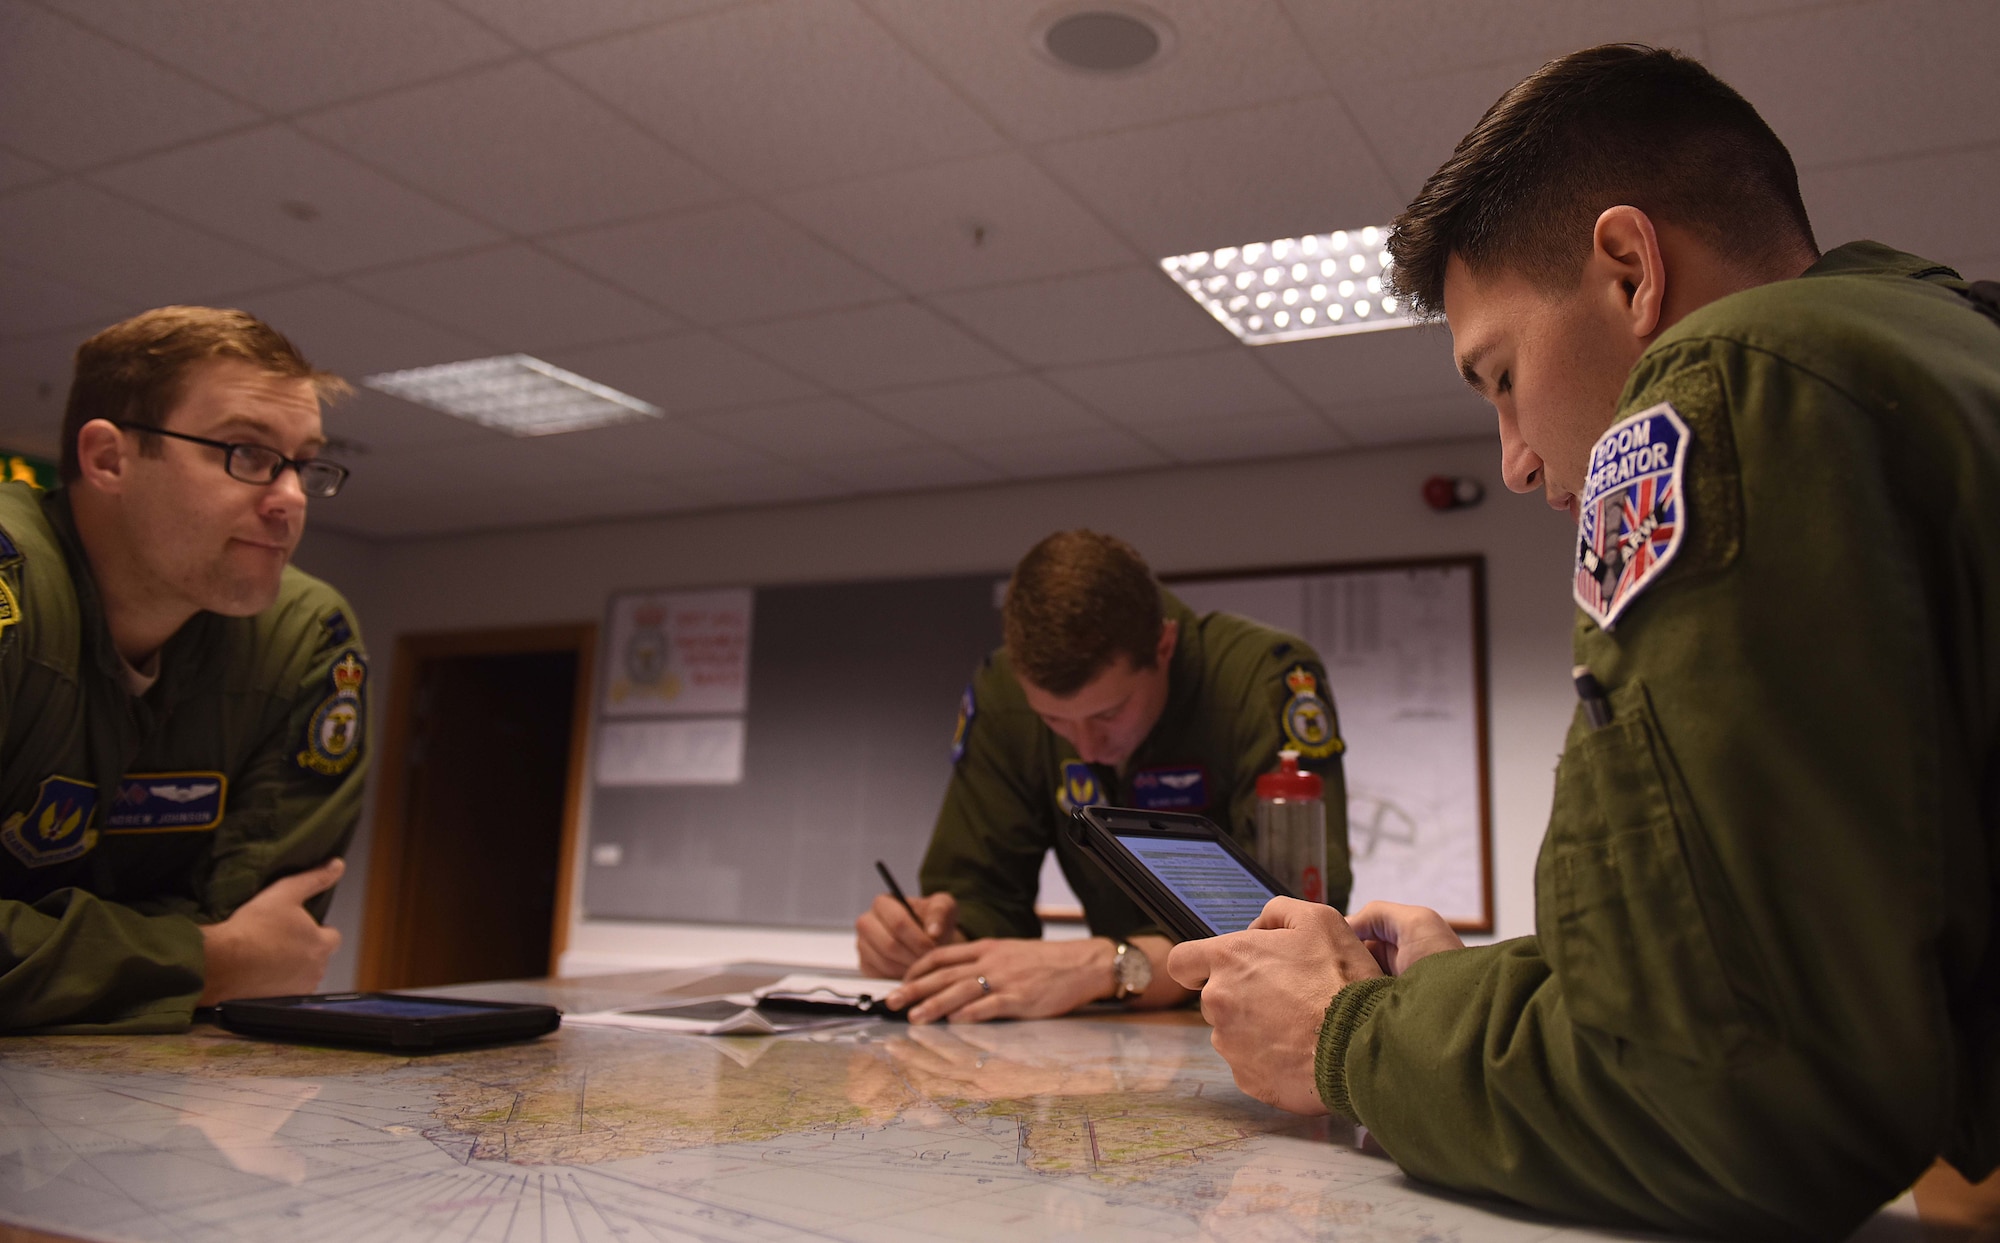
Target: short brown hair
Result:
[[133, 372], [1077, 602], [1617, 125]]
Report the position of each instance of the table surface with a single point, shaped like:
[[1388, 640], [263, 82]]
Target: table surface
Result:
[[1101, 1126]]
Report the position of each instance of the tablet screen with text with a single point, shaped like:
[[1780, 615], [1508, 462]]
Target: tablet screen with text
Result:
[[1202, 875]]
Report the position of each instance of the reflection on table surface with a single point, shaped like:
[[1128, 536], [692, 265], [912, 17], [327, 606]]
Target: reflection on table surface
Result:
[[1107, 1126]]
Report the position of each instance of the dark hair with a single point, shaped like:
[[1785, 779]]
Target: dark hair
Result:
[[1077, 602], [133, 372], [1621, 124]]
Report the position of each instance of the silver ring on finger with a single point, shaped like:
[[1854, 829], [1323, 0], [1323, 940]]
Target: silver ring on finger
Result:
[[984, 987]]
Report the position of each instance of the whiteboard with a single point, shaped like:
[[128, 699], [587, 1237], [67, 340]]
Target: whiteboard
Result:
[[1404, 646]]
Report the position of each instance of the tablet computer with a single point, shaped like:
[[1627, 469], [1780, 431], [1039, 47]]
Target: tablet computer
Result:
[[1182, 870], [387, 1020]]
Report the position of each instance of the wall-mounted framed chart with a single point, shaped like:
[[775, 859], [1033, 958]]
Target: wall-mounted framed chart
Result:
[[1404, 644]]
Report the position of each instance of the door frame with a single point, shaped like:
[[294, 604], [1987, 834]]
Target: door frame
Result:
[[383, 935]]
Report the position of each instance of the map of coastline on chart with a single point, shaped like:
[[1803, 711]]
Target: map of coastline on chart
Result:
[[1113, 1129]]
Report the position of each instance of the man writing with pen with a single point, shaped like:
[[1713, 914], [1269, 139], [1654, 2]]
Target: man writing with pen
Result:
[[1107, 690]]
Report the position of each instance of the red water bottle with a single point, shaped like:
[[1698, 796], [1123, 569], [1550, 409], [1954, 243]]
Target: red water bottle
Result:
[[1291, 827]]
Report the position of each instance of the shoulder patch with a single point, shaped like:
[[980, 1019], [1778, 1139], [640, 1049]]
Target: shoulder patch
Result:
[[57, 828], [9, 552], [338, 629], [1079, 788], [968, 707], [1632, 516], [10, 606], [333, 733], [1307, 719]]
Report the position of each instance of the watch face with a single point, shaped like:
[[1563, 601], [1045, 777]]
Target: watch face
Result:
[[1135, 970]]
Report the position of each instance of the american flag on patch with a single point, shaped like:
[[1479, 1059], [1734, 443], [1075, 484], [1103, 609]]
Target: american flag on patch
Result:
[[1630, 515]]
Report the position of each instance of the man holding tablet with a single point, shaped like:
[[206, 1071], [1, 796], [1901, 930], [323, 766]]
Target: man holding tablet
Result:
[[181, 712], [1764, 993], [1107, 690]]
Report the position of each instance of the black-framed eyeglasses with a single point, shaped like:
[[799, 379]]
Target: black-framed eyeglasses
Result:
[[261, 464]]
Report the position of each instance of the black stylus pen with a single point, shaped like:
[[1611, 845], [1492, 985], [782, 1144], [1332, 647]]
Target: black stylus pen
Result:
[[1596, 705], [896, 891]]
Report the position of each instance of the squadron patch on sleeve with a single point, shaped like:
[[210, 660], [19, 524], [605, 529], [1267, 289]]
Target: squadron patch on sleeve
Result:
[[338, 628], [1630, 521], [10, 607], [1079, 788], [1306, 719], [968, 707], [57, 828], [333, 735]]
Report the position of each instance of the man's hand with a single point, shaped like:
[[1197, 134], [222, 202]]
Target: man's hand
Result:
[[1265, 992], [1024, 980], [271, 947], [1399, 935], [890, 942]]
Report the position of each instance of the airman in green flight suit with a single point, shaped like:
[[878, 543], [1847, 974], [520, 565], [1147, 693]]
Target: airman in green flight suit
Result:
[[181, 711], [1764, 990], [1107, 690]]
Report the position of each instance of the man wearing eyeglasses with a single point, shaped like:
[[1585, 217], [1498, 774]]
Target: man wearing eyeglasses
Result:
[[181, 712]]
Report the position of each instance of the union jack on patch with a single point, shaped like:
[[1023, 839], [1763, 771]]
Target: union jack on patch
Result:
[[1631, 518]]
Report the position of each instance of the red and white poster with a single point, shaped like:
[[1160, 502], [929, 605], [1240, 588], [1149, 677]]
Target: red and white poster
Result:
[[678, 653]]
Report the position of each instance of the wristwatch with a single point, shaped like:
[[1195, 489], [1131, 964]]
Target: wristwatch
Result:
[[1131, 971]]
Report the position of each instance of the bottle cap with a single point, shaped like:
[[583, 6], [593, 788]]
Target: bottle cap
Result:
[[1288, 782]]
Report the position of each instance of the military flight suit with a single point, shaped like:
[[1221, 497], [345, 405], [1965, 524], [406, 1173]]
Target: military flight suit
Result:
[[1764, 989], [125, 822], [1237, 693]]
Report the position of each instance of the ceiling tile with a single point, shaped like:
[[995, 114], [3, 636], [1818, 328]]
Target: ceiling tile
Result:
[[1212, 384], [929, 466], [667, 446], [1367, 366], [806, 431], [286, 55], [766, 485], [31, 303], [1871, 80], [86, 237], [1245, 176], [1938, 206], [1415, 127], [518, 146], [1231, 439], [1416, 38], [782, 95], [685, 373], [387, 428], [72, 99], [516, 297], [885, 346], [236, 186], [34, 382], [1408, 420], [995, 408], [356, 336], [539, 24], [952, 226], [18, 170], [1080, 453], [1094, 318], [1222, 56], [723, 266]]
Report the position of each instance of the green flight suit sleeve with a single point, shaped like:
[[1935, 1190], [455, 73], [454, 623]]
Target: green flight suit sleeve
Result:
[[996, 823], [1260, 736], [1731, 1020], [298, 798], [78, 964]]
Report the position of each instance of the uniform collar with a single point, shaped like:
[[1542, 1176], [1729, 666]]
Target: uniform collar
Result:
[[1875, 259], [175, 657], [1185, 669]]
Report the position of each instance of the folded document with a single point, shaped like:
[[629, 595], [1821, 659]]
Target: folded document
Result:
[[794, 1003]]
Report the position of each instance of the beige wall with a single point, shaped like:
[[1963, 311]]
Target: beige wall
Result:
[[1353, 506]]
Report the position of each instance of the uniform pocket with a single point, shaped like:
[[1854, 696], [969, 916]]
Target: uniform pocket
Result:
[[1618, 913]]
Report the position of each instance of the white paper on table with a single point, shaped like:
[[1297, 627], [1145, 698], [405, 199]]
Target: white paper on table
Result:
[[735, 1015], [670, 753], [858, 990]]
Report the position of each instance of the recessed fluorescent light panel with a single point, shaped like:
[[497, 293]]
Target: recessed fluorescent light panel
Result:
[[516, 393], [1320, 285]]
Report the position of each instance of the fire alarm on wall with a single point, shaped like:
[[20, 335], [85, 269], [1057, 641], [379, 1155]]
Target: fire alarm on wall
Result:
[[1443, 492]]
